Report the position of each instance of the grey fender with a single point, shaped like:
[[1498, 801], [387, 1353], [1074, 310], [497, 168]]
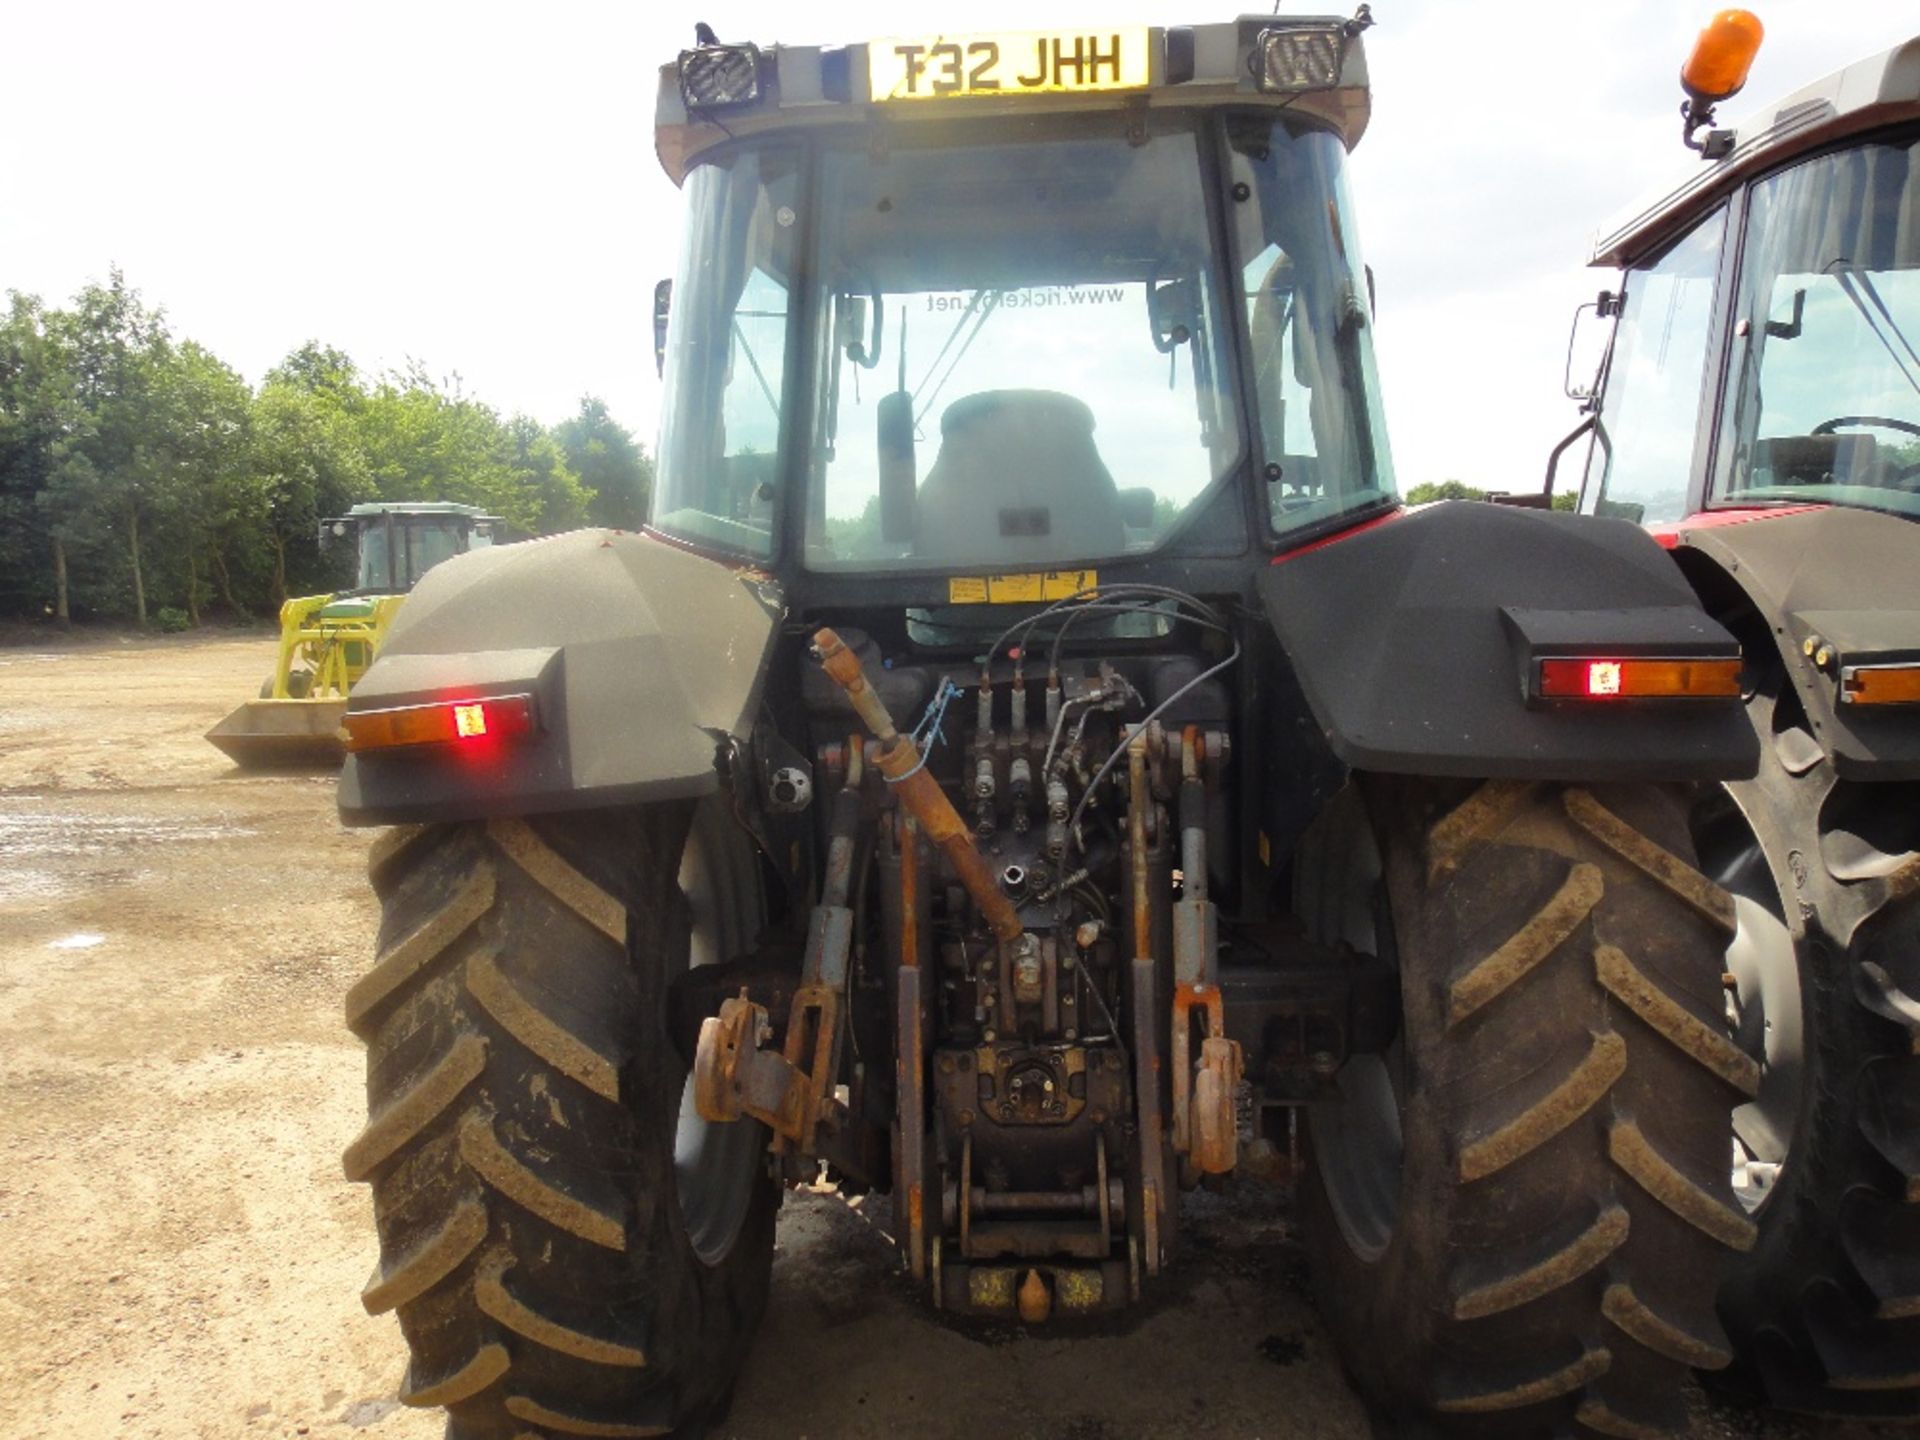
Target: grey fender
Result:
[[1414, 639], [1840, 580], [641, 658]]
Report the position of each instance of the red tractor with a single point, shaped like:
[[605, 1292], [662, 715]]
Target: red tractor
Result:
[[1758, 411]]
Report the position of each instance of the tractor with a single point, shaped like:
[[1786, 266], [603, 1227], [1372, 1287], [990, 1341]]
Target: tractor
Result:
[[1032, 766], [1758, 409], [328, 641]]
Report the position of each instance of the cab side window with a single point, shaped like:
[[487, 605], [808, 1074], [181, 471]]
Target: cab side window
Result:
[[1650, 407]]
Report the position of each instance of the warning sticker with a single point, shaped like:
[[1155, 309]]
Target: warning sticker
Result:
[[1019, 589]]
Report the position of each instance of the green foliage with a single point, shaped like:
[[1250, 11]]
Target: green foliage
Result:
[[307, 464], [1460, 490], [426, 439], [32, 384], [142, 478], [616, 472], [857, 534], [170, 621], [1443, 490], [112, 460], [542, 477]]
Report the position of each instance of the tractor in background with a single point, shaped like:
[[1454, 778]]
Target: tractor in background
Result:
[[1758, 410], [328, 641]]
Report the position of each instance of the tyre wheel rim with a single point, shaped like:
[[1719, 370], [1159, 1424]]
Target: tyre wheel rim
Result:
[[716, 1166], [1763, 1007], [1765, 1011], [1358, 1146]]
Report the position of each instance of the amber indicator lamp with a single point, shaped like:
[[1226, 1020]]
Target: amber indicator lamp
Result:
[[1880, 685], [443, 722], [1594, 677]]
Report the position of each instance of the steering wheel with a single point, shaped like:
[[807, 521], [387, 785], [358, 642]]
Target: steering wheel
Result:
[[1879, 422], [1829, 427]]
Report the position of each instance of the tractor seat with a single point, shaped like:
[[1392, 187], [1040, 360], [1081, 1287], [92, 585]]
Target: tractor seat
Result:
[[1018, 478], [1815, 460]]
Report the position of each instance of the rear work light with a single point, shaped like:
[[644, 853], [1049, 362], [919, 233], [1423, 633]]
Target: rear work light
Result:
[[1880, 684], [1299, 57], [720, 77], [1594, 677], [443, 722]]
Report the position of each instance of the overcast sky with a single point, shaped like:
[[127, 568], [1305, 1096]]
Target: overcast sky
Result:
[[474, 184]]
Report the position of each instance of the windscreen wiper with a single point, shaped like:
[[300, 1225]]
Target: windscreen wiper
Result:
[[1857, 285], [991, 299], [746, 348]]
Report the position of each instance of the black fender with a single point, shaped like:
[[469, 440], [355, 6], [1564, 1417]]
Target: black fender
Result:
[[1413, 638], [644, 661], [1837, 582]]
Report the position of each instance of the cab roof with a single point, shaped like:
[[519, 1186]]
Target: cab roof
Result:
[[1868, 95], [809, 87], [417, 507]]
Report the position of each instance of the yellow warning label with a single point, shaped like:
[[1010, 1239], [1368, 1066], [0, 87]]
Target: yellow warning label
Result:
[[1016, 589], [1019, 589]]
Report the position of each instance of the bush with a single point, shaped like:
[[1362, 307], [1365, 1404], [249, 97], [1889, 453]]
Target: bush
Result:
[[170, 621]]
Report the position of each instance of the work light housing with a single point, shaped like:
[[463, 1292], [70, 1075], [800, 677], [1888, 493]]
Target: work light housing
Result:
[[720, 77], [1299, 57]]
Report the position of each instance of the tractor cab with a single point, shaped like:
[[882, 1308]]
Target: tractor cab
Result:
[[1018, 301], [398, 543], [328, 641], [1766, 352]]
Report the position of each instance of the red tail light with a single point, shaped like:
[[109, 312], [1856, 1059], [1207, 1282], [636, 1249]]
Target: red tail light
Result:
[[1598, 677], [443, 722]]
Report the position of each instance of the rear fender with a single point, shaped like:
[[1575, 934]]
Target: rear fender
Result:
[[1842, 581], [643, 661], [1411, 641]]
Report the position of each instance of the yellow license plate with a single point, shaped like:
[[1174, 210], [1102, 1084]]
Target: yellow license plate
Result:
[[1033, 62]]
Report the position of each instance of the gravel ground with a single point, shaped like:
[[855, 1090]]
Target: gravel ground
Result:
[[183, 1259]]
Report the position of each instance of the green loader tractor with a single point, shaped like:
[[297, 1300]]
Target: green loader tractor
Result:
[[1759, 411], [1033, 766], [328, 641]]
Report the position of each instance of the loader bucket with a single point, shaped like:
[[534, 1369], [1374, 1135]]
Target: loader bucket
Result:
[[283, 734]]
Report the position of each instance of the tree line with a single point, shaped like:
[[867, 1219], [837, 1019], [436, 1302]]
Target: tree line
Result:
[[1431, 490], [143, 479]]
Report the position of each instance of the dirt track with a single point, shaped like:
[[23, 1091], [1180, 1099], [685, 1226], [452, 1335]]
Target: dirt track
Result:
[[183, 1259]]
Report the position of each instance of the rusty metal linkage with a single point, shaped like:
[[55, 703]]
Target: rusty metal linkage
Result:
[[910, 1078], [792, 1092], [1205, 1090], [900, 763], [733, 1077], [1146, 1044]]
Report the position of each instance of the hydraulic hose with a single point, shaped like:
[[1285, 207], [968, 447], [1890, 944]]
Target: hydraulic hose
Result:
[[899, 762]]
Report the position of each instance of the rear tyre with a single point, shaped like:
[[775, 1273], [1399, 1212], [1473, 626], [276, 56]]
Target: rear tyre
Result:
[[1824, 1313], [1520, 1211], [564, 1255], [299, 682]]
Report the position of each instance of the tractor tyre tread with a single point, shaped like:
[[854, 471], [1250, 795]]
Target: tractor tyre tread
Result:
[[1565, 1204], [1824, 1314], [523, 1098]]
